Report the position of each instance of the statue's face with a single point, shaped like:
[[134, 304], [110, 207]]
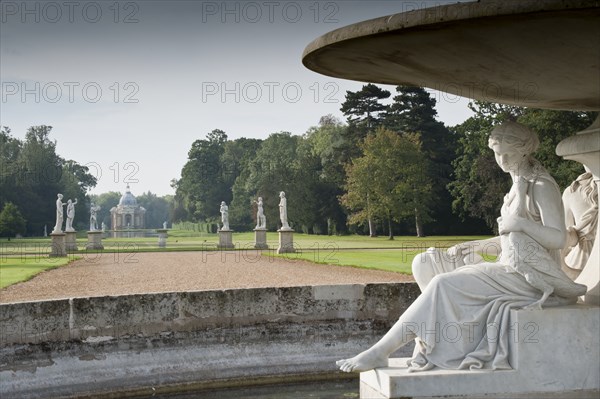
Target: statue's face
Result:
[[508, 151]]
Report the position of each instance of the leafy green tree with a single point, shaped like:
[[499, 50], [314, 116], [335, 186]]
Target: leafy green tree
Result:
[[387, 182], [273, 170], [10, 149], [40, 170], [32, 173], [11, 221], [326, 142], [363, 107], [178, 210], [365, 112], [202, 186], [236, 159], [413, 111], [309, 190]]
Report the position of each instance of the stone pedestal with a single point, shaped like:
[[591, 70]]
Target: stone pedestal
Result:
[[162, 238], [58, 245], [71, 241], [260, 238], [584, 147], [94, 240], [286, 241], [225, 239], [550, 350]]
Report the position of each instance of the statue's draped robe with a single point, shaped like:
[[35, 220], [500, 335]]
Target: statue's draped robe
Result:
[[461, 319]]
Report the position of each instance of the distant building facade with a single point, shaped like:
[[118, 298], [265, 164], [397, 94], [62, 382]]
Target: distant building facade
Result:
[[128, 214]]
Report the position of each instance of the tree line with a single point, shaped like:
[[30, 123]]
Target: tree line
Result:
[[32, 173], [388, 169]]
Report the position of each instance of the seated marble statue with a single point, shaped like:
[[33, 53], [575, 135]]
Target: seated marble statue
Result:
[[540, 267], [474, 298]]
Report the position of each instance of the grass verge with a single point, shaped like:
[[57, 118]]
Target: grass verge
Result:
[[17, 269]]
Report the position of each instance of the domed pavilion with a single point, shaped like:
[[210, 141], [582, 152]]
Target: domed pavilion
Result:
[[128, 214]]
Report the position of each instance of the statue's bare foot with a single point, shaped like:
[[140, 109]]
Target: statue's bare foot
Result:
[[367, 360], [534, 306], [538, 304]]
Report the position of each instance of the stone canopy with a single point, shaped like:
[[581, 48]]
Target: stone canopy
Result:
[[541, 54]]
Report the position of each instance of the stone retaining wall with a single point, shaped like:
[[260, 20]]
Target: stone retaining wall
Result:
[[144, 343]]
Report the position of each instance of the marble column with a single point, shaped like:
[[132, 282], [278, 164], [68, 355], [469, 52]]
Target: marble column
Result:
[[94, 240], [260, 238], [286, 241], [70, 241], [58, 245], [225, 239]]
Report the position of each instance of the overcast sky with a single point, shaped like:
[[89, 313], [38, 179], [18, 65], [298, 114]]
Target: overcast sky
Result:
[[129, 86]]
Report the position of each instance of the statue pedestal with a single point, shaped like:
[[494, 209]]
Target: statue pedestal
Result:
[[70, 241], [162, 238], [94, 240], [58, 245], [584, 147], [260, 238], [225, 239], [550, 350], [286, 241]]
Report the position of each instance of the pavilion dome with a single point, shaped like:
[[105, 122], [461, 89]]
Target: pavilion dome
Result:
[[128, 199]]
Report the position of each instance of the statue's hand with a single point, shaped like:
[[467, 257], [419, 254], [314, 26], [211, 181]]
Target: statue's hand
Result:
[[461, 250], [511, 224]]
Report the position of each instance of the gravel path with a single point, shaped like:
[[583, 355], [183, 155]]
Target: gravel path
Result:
[[121, 274]]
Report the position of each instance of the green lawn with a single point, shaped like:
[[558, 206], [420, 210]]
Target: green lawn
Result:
[[21, 259], [17, 269], [177, 241], [393, 260]]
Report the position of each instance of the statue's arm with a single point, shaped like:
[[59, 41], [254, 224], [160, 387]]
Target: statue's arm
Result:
[[551, 233], [490, 246]]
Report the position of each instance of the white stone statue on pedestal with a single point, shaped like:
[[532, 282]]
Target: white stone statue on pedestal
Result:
[[94, 217], [103, 226], [261, 220], [475, 296], [70, 215], [59, 214], [165, 225], [283, 212], [224, 216]]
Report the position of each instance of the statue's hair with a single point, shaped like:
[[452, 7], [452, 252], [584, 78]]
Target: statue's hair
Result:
[[528, 139], [585, 183]]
